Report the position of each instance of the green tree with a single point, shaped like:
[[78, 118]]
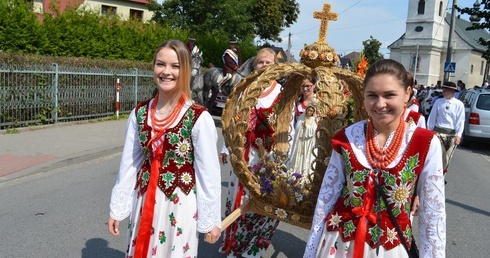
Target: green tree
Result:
[[480, 17], [245, 19], [371, 50], [20, 30]]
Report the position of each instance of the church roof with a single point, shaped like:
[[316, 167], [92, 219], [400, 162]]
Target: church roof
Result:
[[469, 36]]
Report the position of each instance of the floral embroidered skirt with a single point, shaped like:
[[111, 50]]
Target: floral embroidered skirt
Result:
[[252, 232], [174, 225], [331, 246]]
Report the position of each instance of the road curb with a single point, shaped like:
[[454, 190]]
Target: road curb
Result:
[[61, 162]]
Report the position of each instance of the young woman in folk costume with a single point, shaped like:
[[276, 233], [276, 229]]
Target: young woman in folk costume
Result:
[[252, 233], [306, 97], [374, 169], [412, 113], [169, 176], [413, 103]]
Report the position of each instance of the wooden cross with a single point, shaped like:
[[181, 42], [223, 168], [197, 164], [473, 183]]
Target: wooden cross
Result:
[[324, 16]]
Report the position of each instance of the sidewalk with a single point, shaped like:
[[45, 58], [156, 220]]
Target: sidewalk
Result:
[[44, 148]]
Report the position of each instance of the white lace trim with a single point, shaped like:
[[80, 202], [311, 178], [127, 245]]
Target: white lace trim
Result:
[[121, 203]]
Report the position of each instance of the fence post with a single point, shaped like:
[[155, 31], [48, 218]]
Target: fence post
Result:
[[55, 92], [136, 87], [118, 104]]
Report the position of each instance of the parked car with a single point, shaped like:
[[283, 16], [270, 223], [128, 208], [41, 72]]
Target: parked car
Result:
[[477, 115], [426, 102]]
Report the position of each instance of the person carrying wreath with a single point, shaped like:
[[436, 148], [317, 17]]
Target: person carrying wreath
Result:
[[252, 233], [169, 180], [364, 204]]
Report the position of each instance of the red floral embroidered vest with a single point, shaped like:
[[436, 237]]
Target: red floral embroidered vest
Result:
[[398, 184], [178, 152], [413, 116], [261, 133]]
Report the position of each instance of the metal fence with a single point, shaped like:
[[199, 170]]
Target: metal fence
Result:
[[47, 94]]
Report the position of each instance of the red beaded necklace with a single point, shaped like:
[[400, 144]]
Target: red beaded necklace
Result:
[[378, 157], [160, 125]]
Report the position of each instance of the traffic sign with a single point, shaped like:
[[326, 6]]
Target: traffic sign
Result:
[[449, 67]]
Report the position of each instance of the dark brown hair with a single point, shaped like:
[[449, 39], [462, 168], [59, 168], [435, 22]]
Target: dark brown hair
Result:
[[389, 67]]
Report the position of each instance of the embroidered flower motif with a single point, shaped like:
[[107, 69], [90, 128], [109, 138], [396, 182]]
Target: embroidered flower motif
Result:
[[259, 141], [335, 220], [272, 118], [313, 55], [186, 247], [186, 178], [390, 235], [168, 178], [183, 148], [280, 213], [162, 237]]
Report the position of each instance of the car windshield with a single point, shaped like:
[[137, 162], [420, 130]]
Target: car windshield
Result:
[[483, 102]]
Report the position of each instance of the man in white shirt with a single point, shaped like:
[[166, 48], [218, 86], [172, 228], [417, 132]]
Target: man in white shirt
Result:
[[447, 119]]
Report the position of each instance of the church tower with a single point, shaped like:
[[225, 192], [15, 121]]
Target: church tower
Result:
[[423, 45]]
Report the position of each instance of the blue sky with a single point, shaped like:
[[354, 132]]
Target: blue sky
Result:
[[357, 21]]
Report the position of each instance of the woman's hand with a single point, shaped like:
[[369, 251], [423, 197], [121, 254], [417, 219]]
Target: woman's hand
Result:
[[415, 206], [113, 226], [213, 235]]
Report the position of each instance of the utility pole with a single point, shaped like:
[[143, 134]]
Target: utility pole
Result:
[[289, 47], [450, 38], [416, 64]]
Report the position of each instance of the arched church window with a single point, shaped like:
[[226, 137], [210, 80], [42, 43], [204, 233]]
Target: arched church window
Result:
[[415, 62], [421, 9], [440, 8]]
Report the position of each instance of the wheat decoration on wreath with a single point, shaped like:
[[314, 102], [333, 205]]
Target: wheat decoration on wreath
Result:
[[285, 200]]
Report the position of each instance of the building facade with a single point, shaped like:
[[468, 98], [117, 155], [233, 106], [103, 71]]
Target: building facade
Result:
[[125, 9], [422, 49]]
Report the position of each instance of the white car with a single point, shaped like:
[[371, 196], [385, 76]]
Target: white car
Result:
[[477, 115]]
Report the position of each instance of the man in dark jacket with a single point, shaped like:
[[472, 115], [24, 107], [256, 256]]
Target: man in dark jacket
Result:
[[232, 60]]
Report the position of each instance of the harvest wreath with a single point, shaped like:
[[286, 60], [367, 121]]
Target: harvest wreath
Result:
[[276, 190]]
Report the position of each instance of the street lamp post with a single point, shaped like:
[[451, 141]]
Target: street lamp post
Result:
[[450, 38]]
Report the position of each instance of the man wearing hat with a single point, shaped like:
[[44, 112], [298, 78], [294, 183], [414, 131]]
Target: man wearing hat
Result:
[[191, 45], [232, 60], [447, 119]]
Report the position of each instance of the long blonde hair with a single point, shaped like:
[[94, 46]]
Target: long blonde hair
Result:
[[184, 82]]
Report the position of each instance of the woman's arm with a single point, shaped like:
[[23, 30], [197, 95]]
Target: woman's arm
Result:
[[432, 209]]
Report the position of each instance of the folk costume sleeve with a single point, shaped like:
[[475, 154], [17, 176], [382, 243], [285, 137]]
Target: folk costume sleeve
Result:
[[432, 210], [208, 173], [431, 121], [131, 160], [330, 190]]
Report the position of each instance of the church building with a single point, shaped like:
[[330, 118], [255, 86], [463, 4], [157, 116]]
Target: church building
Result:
[[422, 49]]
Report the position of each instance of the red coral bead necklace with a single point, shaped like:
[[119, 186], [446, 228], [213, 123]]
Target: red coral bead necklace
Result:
[[378, 157]]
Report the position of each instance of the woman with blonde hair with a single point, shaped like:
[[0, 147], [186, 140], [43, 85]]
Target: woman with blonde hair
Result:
[[169, 180]]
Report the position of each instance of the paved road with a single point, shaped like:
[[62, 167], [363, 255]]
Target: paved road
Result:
[[62, 213]]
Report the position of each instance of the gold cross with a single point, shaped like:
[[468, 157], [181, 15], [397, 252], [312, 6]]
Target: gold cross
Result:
[[324, 16]]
